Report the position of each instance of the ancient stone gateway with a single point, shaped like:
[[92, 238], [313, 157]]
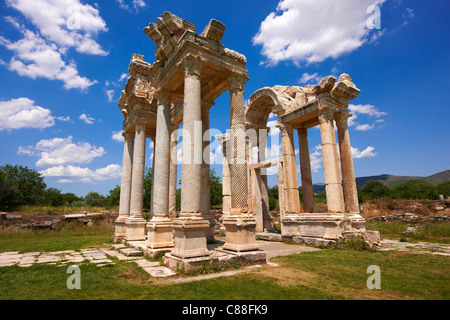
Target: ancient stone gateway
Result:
[[302, 108], [190, 71]]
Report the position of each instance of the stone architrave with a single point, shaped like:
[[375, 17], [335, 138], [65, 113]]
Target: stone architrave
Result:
[[135, 224], [348, 171], [190, 227], [240, 225], [305, 170], [160, 226], [125, 187]]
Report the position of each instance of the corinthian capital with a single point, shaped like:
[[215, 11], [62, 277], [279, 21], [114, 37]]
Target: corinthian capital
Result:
[[192, 65], [164, 97], [237, 81]]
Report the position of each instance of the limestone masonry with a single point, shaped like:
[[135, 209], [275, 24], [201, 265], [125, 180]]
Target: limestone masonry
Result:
[[190, 71]]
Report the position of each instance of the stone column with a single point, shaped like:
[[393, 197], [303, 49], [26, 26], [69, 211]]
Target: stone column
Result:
[[160, 226], [190, 227], [240, 225], [125, 187], [152, 192], [206, 173], [348, 171], [226, 177], [335, 197], [290, 169], [262, 143], [135, 225], [173, 174], [305, 170]]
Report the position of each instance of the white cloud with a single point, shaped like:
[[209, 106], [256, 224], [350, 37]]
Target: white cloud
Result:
[[35, 58], [367, 109], [59, 25], [85, 175], [60, 151], [110, 95], [123, 77], [117, 136], [87, 119], [126, 4], [364, 127], [366, 153], [23, 113], [312, 31], [306, 77], [316, 158], [67, 23]]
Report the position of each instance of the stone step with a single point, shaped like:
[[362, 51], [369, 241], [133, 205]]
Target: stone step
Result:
[[131, 252], [118, 247]]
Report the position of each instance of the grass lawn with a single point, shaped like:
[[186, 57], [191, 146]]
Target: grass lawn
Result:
[[326, 274], [437, 232]]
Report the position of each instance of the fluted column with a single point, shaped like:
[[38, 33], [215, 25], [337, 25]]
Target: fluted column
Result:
[[160, 226], [305, 170], [190, 227], [290, 169], [135, 225], [335, 197], [348, 171], [173, 173], [125, 186], [206, 170]]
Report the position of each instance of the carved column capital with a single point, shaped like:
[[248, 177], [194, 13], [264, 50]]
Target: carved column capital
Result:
[[342, 119], [140, 124], [128, 136], [192, 65], [164, 97], [236, 81], [285, 128]]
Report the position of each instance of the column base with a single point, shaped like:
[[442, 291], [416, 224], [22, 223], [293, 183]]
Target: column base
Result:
[[328, 226], [190, 236], [120, 228], [240, 233], [212, 225], [135, 229], [160, 233]]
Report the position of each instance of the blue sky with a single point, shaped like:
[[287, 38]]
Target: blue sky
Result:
[[64, 63]]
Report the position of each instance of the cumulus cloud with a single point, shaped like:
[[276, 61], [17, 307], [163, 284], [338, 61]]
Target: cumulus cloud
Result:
[[67, 23], [23, 113], [130, 5], [364, 127], [366, 153], [87, 119], [306, 77], [61, 151], [75, 173], [59, 26], [117, 136], [110, 95], [367, 110], [312, 31]]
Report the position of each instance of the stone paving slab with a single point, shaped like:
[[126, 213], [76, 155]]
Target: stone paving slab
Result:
[[416, 248]]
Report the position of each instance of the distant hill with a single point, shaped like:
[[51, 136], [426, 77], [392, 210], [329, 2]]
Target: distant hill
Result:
[[391, 180]]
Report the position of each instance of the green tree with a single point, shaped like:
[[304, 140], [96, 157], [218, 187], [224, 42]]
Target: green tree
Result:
[[216, 189], [52, 197], [69, 198], [94, 199], [374, 189], [20, 186], [113, 198], [273, 192], [415, 189], [147, 189], [444, 188]]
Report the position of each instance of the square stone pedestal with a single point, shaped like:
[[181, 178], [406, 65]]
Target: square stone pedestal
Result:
[[190, 249], [135, 229], [120, 229], [327, 226], [160, 233], [240, 233]]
